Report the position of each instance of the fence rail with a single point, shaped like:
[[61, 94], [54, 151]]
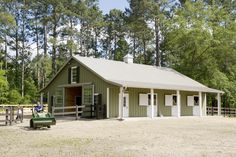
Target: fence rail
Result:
[[66, 111], [231, 112], [10, 112]]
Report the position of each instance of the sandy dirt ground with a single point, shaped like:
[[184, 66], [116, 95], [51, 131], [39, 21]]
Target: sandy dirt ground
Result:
[[136, 137]]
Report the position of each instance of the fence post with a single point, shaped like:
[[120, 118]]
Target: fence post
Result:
[[11, 115], [76, 112], [7, 111], [22, 114], [52, 110], [212, 111]]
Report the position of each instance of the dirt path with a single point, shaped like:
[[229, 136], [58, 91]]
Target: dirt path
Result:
[[209, 136]]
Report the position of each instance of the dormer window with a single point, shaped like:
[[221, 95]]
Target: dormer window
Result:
[[74, 75]]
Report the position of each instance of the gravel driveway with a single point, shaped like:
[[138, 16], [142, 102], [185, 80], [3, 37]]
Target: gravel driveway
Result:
[[135, 137]]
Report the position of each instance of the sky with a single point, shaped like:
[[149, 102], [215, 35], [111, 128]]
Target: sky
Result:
[[107, 5]]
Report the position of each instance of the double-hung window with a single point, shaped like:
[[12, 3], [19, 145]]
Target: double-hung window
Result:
[[74, 74]]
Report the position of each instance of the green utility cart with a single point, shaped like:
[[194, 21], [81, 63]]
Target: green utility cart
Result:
[[41, 119]]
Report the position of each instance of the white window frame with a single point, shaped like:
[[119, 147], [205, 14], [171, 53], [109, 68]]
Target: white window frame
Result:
[[71, 73]]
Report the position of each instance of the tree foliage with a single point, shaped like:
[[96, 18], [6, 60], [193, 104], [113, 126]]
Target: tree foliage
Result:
[[197, 38]]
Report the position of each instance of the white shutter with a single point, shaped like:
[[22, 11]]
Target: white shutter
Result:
[[168, 100], [143, 99], [190, 101]]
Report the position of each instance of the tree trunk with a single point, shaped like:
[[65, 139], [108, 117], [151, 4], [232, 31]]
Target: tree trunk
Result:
[[157, 42], [23, 55], [144, 52], [44, 53], [37, 49], [54, 64], [5, 58], [71, 28]]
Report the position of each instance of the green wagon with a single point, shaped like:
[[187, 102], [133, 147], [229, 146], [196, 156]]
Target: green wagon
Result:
[[42, 119]]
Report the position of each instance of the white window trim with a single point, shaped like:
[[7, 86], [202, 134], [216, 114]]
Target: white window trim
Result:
[[71, 73]]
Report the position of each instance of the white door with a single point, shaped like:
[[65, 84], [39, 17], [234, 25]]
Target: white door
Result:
[[126, 105], [149, 111], [174, 111]]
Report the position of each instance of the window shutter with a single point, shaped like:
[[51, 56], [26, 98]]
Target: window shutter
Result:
[[78, 75], [69, 75]]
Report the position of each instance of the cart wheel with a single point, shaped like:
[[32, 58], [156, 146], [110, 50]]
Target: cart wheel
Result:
[[48, 126]]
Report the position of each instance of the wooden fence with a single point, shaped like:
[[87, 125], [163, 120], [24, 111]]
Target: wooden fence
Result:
[[9, 112], [67, 110], [230, 112]]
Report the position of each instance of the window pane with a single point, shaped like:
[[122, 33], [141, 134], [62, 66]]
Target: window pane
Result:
[[88, 95], [73, 74], [196, 101]]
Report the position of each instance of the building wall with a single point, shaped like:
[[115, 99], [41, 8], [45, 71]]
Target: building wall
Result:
[[141, 111], [134, 109], [86, 76]]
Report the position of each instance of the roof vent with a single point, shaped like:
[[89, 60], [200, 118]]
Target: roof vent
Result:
[[128, 58]]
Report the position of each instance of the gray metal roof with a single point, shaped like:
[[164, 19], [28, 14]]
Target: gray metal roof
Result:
[[142, 76]]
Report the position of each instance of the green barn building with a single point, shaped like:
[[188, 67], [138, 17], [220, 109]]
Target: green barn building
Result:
[[127, 89]]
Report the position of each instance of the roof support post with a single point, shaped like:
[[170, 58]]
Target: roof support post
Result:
[[108, 105], [178, 103], [219, 103], [121, 103], [200, 104], [204, 105], [152, 103]]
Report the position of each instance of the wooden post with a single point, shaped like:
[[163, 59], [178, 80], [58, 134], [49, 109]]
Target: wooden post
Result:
[[76, 107], [121, 103], [152, 103], [7, 112], [108, 105], [11, 115], [22, 116], [205, 105], [52, 110], [178, 104], [219, 104], [212, 110], [200, 104]]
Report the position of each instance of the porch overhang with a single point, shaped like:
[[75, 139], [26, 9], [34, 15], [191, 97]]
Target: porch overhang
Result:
[[134, 84]]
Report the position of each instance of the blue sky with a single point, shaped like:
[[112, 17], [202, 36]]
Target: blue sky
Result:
[[107, 5]]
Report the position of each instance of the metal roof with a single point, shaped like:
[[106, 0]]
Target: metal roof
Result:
[[142, 76]]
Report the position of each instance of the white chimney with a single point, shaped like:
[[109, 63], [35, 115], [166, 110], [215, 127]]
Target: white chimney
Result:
[[128, 58]]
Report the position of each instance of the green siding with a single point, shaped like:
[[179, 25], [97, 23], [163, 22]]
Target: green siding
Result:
[[114, 102], [86, 76], [186, 110], [134, 109], [162, 109]]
